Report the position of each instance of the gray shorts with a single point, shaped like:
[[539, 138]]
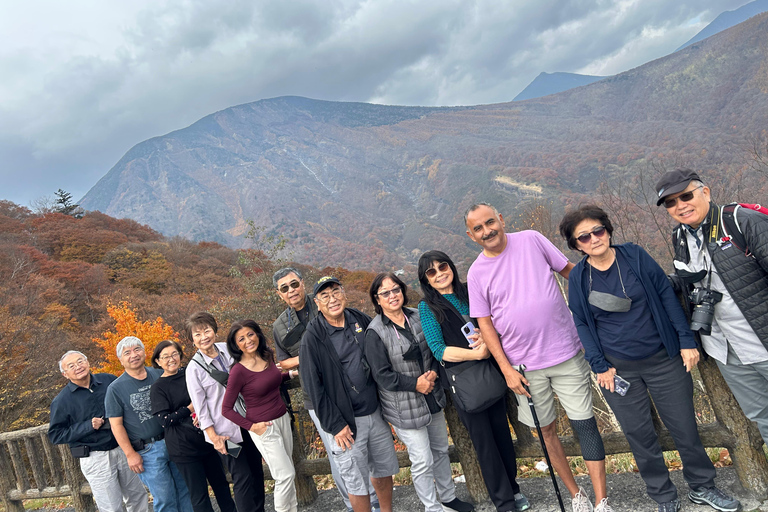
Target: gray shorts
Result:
[[573, 385], [372, 455]]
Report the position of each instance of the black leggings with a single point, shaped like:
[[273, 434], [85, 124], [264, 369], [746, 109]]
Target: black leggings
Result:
[[198, 474], [489, 431]]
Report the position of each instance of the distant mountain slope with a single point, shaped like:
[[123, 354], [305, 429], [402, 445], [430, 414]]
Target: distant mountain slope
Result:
[[552, 83], [728, 19], [372, 186]]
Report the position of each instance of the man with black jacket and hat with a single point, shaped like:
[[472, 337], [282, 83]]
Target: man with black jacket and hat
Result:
[[287, 331], [340, 385], [721, 252]]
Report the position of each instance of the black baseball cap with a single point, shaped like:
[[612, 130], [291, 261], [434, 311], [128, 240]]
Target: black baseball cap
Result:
[[325, 282], [674, 182]]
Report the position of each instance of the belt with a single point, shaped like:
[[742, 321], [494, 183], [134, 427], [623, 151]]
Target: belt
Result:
[[154, 439]]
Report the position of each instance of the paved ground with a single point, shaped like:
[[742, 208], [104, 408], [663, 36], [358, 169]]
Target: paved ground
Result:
[[626, 490]]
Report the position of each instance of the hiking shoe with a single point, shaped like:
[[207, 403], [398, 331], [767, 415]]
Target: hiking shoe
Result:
[[580, 502], [458, 505], [670, 506], [603, 506], [715, 498], [521, 502]]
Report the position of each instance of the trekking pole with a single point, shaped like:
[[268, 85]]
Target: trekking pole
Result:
[[543, 444]]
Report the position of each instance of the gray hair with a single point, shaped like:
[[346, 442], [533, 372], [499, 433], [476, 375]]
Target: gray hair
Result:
[[69, 353], [284, 272], [128, 342], [475, 207]]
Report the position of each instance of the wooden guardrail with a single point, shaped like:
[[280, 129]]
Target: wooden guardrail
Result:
[[30, 467]]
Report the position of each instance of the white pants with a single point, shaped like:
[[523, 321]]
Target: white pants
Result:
[[276, 446], [430, 465], [112, 482]]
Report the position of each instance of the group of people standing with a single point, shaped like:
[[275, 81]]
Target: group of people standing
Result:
[[508, 326]]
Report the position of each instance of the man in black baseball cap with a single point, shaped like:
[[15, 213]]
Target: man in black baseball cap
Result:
[[721, 252], [340, 385]]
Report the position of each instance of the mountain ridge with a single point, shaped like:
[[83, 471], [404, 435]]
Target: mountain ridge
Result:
[[373, 186]]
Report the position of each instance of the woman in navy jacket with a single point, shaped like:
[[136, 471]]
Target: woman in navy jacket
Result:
[[631, 324]]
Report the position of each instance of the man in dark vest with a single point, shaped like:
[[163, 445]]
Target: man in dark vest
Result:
[[340, 385], [721, 253], [287, 331]]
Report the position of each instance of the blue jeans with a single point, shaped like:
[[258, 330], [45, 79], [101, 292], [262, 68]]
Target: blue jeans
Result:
[[164, 480]]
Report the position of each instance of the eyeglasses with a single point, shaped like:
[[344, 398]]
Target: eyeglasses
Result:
[[684, 197], [336, 293], [293, 284], [172, 355], [387, 293], [432, 272], [76, 364], [599, 231]]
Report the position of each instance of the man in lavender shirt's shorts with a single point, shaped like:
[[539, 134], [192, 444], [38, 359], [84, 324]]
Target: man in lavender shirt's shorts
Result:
[[524, 319]]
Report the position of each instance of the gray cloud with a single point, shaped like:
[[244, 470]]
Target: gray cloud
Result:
[[80, 88]]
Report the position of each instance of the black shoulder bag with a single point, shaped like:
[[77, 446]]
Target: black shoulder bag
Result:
[[475, 385]]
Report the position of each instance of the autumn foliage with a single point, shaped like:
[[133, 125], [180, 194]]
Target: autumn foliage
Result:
[[127, 323]]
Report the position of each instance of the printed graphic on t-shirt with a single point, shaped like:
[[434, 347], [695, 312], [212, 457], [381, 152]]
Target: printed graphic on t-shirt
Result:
[[140, 403]]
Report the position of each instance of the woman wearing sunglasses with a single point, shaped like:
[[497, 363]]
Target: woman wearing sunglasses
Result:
[[197, 461], [443, 313], [634, 331], [405, 373]]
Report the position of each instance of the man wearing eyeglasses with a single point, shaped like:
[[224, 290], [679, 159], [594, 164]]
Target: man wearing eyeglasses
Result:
[[287, 331], [724, 250], [77, 419], [340, 385]]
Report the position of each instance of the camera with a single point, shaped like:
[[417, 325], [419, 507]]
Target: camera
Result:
[[703, 300]]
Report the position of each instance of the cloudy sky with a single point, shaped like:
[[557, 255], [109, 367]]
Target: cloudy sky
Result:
[[83, 81]]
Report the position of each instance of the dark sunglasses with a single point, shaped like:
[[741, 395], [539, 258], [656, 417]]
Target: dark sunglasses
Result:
[[599, 231], [684, 197], [431, 272], [293, 284], [387, 293]]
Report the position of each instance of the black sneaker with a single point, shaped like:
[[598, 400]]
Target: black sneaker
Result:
[[715, 498], [458, 505], [670, 506], [521, 502]]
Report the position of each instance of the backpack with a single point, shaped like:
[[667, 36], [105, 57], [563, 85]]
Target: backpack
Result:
[[731, 228]]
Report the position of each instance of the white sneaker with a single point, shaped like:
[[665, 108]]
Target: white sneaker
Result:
[[603, 506], [581, 503]]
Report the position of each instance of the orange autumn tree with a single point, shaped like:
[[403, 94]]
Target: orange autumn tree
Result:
[[127, 323]]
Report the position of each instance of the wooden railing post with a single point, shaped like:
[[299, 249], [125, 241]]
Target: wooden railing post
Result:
[[306, 490], [8, 482], [82, 502], [466, 453], [744, 443]]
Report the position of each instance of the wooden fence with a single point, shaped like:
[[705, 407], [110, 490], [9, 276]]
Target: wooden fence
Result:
[[30, 467]]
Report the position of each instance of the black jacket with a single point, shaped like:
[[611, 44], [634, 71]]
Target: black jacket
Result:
[[72, 411], [745, 277], [323, 376]]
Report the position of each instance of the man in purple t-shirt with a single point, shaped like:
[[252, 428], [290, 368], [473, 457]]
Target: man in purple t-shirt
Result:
[[524, 319]]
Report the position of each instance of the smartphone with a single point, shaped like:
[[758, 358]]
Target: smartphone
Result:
[[233, 448], [468, 329], [620, 386]]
